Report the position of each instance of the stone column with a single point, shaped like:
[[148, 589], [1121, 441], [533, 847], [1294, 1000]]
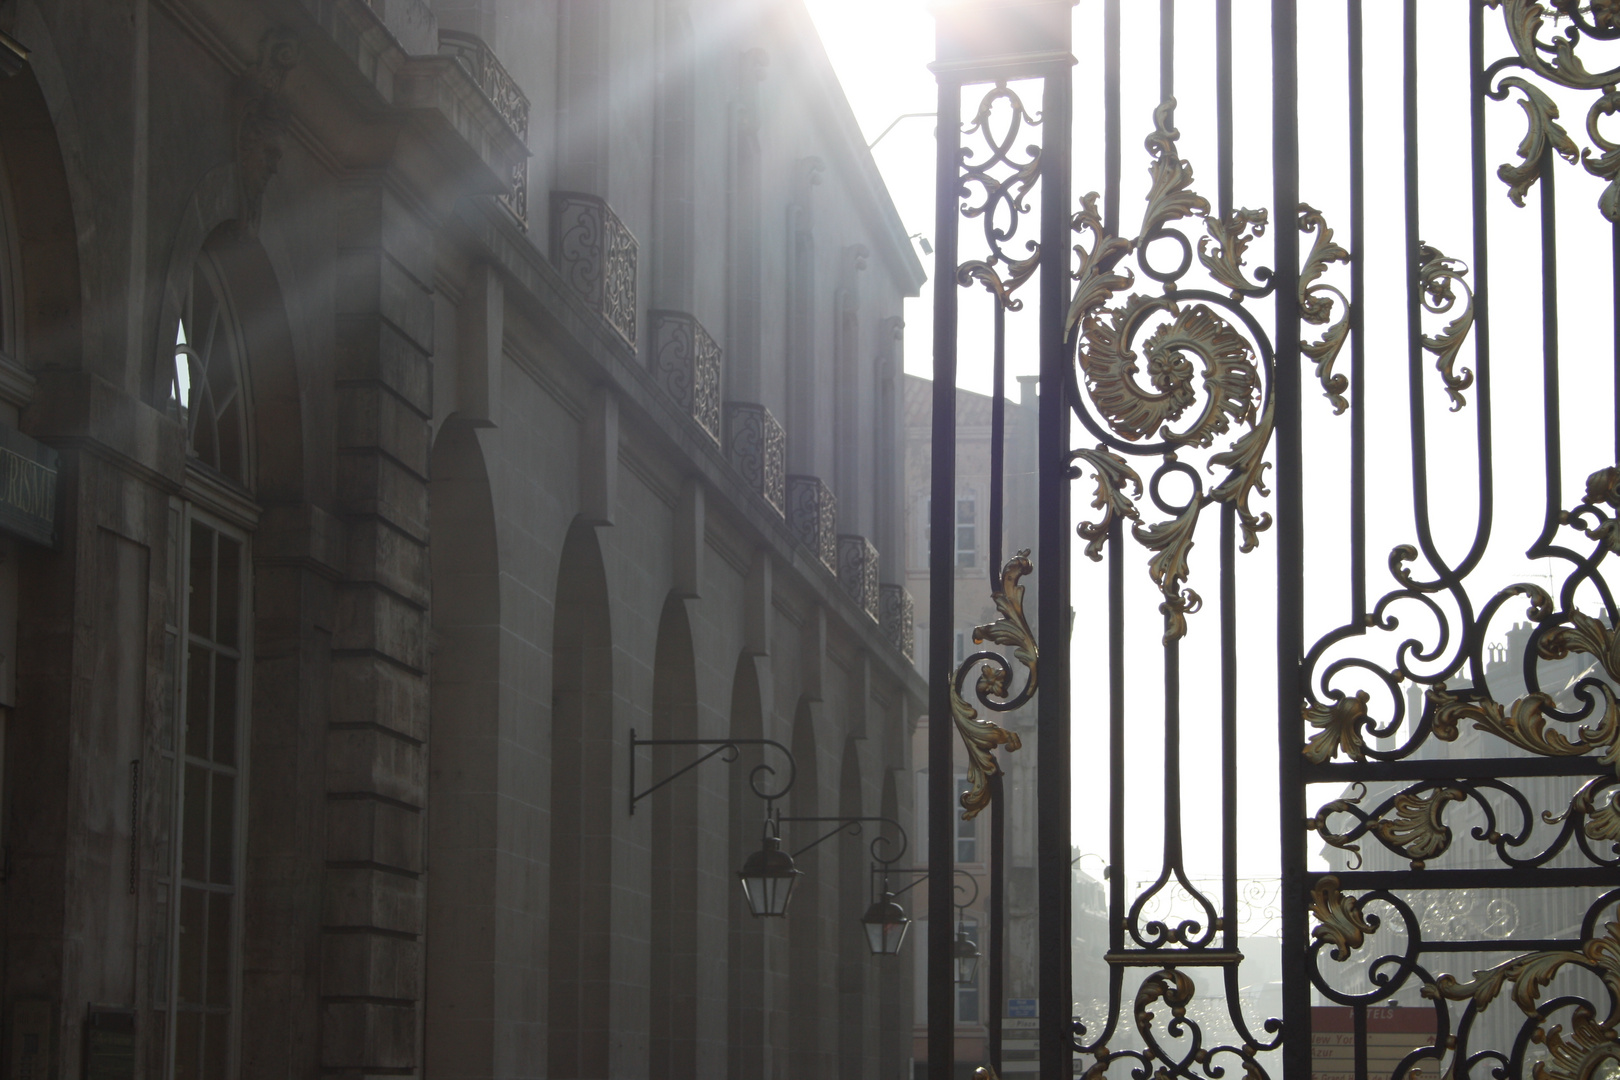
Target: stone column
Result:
[[376, 753]]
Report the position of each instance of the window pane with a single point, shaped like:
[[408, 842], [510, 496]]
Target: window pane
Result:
[[202, 580], [222, 862], [225, 710], [159, 967], [219, 949], [193, 940], [230, 569], [964, 511], [198, 698], [194, 825]]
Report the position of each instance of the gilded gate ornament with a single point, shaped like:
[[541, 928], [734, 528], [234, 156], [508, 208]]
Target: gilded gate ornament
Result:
[[981, 737], [1200, 371], [1439, 279], [1340, 923]]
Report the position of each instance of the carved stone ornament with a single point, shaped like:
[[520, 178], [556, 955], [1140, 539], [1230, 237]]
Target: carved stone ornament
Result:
[[686, 363], [261, 117], [756, 446], [812, 514], [596, 255], [857, 571]]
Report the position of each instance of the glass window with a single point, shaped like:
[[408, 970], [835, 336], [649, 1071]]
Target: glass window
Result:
[[967, 832], [967, 538], [195, 975]]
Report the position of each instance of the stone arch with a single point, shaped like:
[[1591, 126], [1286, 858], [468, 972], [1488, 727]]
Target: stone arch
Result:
[[42, 319], [583, 755], [677, 853], [463, 757], [753, 942]]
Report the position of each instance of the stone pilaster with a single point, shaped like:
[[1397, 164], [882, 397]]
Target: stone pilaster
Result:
[[371, 949]]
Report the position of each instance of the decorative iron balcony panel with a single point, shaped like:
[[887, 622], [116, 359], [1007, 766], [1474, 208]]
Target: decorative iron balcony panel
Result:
[[812, 514], [757, 447], [686, 363], [858, 570], [509, 100], [896, 616], [597, 257]]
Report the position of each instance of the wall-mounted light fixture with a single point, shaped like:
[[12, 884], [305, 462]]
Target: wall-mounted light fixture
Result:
[[769, 874], [886, 921]]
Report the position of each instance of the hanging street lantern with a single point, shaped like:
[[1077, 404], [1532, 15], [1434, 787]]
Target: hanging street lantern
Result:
[[768, 878], [965, 955], [885, 923]]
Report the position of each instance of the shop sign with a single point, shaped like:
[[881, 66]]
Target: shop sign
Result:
[[27, 488]]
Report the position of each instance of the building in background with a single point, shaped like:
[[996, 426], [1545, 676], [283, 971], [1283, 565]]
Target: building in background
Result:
[[974, 607], [433, 394]]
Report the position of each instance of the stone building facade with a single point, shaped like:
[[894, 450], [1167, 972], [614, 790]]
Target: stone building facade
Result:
[[432, 394]]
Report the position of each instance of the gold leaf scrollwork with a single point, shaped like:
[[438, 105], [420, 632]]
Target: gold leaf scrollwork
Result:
[[1095, 265], [1606, 165], [1417, 829], [1439, 277], [981, 737], [1579, 1056], [1246, 464], [1229, 376], [1338, 727], [1599, 822], [1171, 541], [1171, 196], [1340, 922], [1223, 259], [1112, 474], [1544, 130], [1175, 988], [1603, 489], [1316, 306], [1529, 975], [1524, 18]]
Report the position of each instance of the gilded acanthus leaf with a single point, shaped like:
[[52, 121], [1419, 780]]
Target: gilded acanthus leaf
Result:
[[1095, 275], [1175, 988], [1583, 634], [1228, 380], [1012, 628], [1439, 277], [1339, 919], [1524, 19], [1338, 728], [1530, 974], [981, 737], [1112, 474], [1316, 304], [1581, 1055], [1605, 165], [1599, 822], [1170, 541], [1246, 467], [1223, 259], [1171, 197], [1523, 723], [1544, 130], [1417, 829]]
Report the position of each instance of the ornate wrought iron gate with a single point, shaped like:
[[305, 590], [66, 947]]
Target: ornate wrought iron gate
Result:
[[1287, 368]]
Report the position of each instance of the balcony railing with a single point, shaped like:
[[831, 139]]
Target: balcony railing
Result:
[[597, 257], [510, 101]]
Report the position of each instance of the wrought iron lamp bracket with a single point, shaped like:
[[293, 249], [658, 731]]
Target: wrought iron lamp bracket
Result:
[[853, 824], [923, 874], [725, 749]]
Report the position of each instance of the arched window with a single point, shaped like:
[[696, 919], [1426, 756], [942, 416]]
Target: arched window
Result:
[[206, 390]]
